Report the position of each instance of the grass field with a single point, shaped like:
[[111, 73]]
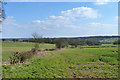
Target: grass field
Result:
[[9, 48], [86, 62]]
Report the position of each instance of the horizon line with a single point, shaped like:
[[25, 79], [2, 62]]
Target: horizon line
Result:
[[62, 37]]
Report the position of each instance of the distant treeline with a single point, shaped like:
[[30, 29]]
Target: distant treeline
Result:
[[93, 40], [98, 38], [64, 42], [61, 42], [117, 42]]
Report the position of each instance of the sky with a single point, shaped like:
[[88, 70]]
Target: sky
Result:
[[60, 19]]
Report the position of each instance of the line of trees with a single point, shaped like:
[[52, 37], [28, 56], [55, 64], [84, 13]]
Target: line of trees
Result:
[[60, 42], [117, 42]]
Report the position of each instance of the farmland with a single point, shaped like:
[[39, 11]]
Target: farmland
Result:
[[82, 62]]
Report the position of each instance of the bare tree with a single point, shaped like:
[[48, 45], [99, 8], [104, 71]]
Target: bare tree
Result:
[[37, 39], [35, 35]]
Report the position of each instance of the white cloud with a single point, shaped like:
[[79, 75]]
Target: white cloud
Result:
[[116, 18], [53, 17], [98, 24], [10, 21], [68, 17], [36, 21], [81, 12], [95, 23], [101, 2]]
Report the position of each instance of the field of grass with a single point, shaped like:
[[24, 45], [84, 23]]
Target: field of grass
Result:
[[9, 48], [85, 62]]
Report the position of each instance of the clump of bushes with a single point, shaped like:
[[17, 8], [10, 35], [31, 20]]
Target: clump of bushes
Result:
[[103, 58], [110, 55], [20, 57], [116, 42], [95, 59], [61, 43], [107, 59]]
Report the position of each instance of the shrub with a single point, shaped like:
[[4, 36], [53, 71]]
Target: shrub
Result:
[[18, 57], [116, 42], [36, 46], [107, 59], [95, 59], [110, 55], [61, 43]]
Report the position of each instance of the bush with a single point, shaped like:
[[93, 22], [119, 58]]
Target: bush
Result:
[[61, 43], [116, 42], [37, 46], [107, 59], [18, 57], [95, 59], [110, 55], [92, 42]]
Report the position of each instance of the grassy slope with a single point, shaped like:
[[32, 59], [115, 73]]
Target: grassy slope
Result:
[[87, 62], [9, 48]]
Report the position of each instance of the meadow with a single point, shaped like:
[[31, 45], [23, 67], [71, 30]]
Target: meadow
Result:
[[81, 62]]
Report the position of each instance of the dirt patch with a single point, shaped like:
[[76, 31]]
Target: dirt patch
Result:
[[12, 68], [49, 49], [61, 49], [6, 63], [41, 53], [27, 62]]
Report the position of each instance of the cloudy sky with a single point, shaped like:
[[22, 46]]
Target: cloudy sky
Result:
[[60, 19]]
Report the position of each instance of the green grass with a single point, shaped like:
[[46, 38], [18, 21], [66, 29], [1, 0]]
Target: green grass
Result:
[[8, 48], [65, 63]]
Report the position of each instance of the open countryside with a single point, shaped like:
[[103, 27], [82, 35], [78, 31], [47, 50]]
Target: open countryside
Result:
[[56, 40], [83, 61]]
